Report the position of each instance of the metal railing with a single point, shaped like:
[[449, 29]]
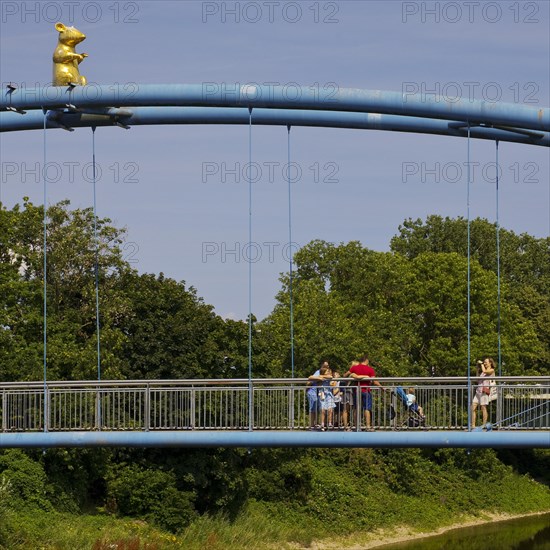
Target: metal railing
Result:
[[277, 404]]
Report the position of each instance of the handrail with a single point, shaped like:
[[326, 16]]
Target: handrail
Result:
[[262, 381], [444, 403]]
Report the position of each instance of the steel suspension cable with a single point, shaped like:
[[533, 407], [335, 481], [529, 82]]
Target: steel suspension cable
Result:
[[250, 402], [45, 271], [96, 266], [498, 260], [469, 277], [290, 259]]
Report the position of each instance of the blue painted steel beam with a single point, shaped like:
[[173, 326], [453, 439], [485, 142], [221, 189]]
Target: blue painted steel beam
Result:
[[280, 97], [34, 120], [247, 439]]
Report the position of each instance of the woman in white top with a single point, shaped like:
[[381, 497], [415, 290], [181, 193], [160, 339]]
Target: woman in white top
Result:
[[483, 390]]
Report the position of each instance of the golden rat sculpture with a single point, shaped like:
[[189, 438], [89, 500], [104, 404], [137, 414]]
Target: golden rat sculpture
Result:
[[65, 59]]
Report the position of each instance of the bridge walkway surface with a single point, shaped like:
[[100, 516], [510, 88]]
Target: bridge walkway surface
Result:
[[271, 413]]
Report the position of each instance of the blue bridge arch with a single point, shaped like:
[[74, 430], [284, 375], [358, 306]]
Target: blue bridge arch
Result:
[[93, 105]]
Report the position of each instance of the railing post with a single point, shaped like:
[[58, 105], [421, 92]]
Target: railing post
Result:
[[192, 420], [393, 401], [358, 407], [291, 406], [147, 419], [251, 406], [45, 407], [499, 405], [98, 409], [47, 410], [5, 409]]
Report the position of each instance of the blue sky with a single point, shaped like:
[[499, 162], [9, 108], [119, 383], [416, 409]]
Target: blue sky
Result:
[[192, 224]]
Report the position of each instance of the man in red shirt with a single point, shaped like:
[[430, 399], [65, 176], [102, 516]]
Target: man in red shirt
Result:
[[363, 372]]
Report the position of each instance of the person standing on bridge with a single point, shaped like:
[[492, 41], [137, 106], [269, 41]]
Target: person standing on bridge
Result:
[[327, 399], [348, 393], [338, 400], [314, 393], [485, 369], [363, 372]]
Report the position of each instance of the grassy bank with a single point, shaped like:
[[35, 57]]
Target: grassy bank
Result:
[[313, 499], [253, 529]]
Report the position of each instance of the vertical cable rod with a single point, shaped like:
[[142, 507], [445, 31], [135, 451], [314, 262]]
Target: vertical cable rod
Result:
[[45, 270], [498, 260], [96, 266], [250, 401], [469, 279], [290, 258]]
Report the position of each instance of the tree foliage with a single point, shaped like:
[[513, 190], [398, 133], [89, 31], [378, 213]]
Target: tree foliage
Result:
[[150, 326], [524, 267], [407, 308]]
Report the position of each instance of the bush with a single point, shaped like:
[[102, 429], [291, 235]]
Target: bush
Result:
[[279, 475], [26, 478], [76, 477], [151, 494], [5, 496]]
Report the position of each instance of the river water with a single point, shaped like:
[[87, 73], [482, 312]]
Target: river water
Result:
[[528, 533]]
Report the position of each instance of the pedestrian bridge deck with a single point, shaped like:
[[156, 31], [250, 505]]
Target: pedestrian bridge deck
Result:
[[266, 413]]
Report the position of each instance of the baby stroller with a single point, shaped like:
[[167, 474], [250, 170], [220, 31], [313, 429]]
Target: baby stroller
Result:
[[415, 414]]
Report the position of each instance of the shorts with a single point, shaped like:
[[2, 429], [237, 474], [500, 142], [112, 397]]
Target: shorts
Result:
[[347, 395], [313, 399], [366, 401], [482, 399], [340, 407]]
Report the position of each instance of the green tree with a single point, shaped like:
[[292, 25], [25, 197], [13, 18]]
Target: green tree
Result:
[[439, 309], [168, 329], [524, 265], [408, 314], [150, 326], [26, 477], [151, 493], [523, 259], [172, 333], [71, 262]]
